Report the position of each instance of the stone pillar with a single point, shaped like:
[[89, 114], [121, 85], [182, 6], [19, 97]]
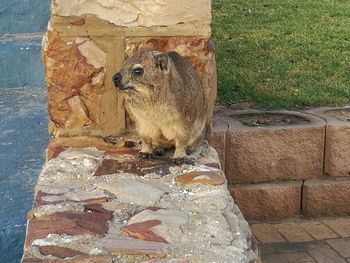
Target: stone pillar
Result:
[[86, 42]]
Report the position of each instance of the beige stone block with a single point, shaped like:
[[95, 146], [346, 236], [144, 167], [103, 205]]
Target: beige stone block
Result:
[[337, 147], [326, 197], [268, 201], [138, 13], [198, 51], [274, 152], [91, 25]]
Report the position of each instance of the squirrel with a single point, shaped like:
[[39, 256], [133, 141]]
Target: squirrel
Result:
[[165, 97]]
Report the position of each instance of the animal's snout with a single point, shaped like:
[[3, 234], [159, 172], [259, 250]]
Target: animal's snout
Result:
[[117, 80]]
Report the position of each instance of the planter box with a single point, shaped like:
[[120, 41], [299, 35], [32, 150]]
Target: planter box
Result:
[[273, 146], [337, 146]]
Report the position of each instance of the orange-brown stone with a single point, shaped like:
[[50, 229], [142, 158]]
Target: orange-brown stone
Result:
[[110, 166], [143, 231], [60, 252], [71, 223], [135, 247], [57, 145], [72, 91], [201, 177]]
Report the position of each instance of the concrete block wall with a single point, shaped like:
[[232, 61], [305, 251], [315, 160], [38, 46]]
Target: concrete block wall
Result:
[[286, 170]]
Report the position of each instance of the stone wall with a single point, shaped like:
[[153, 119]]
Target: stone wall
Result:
[[88, 40], [96, 202]]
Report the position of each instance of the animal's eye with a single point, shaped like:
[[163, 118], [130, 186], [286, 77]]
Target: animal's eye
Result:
[[137, 71]]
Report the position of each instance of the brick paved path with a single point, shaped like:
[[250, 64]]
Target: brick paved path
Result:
[[325, 240]]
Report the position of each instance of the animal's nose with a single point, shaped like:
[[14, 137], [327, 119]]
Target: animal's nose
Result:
[[117, 79]]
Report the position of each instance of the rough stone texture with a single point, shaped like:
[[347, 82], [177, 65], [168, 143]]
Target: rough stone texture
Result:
[[67, 223], [58, 145], [326, 197], [274, 153], [136, 247], [268, 201], [199, 222], [199, 177], [60, 252], [74, 73], [139, 13], [143, 231], [337, 150], [135, 190]]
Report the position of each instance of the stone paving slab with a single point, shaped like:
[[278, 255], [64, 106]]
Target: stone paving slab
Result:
[[130, 212], [300, 241]]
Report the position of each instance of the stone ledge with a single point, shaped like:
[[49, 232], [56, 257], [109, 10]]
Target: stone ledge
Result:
[[91, 206], [337, 150], [139, 13], [328, 197], [90, 25]]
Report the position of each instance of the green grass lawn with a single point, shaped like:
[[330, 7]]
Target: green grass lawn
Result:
[[282, 53]]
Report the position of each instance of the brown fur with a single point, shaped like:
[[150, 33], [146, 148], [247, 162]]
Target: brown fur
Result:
[[167, 102]]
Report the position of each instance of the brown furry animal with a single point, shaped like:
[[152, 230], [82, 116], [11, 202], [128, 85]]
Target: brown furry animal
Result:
[[166, 99]]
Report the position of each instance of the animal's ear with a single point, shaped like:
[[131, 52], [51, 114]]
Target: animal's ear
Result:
[[161, 60]]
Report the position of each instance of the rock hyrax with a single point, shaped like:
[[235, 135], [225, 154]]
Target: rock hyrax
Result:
[[165, 97]]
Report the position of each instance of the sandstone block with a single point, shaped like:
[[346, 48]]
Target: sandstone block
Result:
[[326, 197], [268, 201], [139, 13], [337, 150], [273, 146], [78, 93]]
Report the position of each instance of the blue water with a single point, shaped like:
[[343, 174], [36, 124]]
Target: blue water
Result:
[[23, 138]]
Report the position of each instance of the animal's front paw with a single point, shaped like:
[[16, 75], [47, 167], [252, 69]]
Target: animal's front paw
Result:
[[183, 160], [159, 151], [145, 156]]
